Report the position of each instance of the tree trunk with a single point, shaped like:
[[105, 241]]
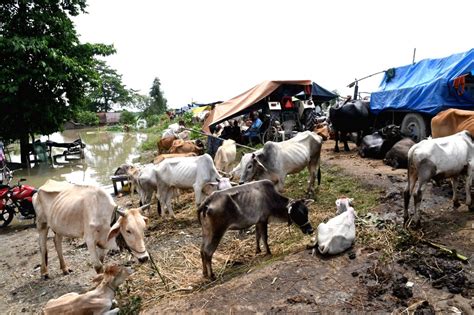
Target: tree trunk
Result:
[[24, 150]]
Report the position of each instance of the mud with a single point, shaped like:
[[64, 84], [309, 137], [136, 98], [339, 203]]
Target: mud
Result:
[[361, 280]]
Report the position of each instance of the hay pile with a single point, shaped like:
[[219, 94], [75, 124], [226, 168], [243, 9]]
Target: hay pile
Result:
[[175, 244]]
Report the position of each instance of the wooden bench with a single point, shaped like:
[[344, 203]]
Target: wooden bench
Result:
[[118, 178]]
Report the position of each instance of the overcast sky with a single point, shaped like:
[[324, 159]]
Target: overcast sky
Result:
[[214, 50]]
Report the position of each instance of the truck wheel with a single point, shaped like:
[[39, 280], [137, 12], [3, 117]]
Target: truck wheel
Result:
[[310, 119], [414, 126]]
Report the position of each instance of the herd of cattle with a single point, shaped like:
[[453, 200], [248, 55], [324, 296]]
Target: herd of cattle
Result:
[[87, 212]]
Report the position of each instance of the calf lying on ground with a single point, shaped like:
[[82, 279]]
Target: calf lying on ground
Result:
[[439, 158], [97, 301], [240, 207], [338, 234]]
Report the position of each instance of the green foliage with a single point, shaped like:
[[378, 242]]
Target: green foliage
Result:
[[128, 118], [158, 102], [153, 120], [107, 90], [87, 118], [44, 69], [188, 118]]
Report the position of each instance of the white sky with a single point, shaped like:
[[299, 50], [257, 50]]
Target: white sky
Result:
[[214, 50]]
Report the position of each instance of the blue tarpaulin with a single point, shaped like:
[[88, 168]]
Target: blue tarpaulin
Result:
[[428, 86]]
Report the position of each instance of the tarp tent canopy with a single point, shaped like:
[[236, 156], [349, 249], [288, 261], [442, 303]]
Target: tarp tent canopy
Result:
[[428, 86], [256, 98], [319, 94]]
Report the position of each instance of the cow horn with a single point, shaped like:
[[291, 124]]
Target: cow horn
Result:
[[144, 206], [234, 184], [224, 173], [260, 164], [120, 211]]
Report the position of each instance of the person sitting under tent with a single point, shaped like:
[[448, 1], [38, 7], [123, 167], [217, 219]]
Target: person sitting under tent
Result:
[[253, 132]]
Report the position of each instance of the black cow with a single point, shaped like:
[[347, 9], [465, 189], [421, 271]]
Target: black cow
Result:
[[397, 156], [380, 142], [349, 116], [240, 207]]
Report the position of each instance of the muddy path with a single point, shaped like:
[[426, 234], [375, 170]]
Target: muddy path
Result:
[[366, 280]]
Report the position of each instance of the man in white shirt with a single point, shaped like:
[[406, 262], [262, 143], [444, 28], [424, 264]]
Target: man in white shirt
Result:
[[173, 130]]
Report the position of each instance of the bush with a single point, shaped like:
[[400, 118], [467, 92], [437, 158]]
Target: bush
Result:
[[87, 118], [153, 120], [127, 118]]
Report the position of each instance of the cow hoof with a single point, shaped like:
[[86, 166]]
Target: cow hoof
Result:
[[45, 277], [67, 271], [471, 208], [258, 251], [456, 204]]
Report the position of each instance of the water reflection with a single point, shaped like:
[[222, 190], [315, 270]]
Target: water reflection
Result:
[[104, 152]]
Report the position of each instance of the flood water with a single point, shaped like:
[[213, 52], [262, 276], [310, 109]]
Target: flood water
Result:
[[104, 152]]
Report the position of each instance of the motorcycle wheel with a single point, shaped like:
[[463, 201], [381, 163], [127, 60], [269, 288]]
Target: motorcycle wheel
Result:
[[6, 215]]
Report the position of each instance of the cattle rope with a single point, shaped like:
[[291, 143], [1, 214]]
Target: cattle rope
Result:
[[205, 134]]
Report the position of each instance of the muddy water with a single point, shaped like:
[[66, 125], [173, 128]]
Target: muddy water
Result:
[[103, 153]]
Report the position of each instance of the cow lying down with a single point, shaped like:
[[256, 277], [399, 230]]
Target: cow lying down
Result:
[[240, 207], [338, 234], [97, 301]]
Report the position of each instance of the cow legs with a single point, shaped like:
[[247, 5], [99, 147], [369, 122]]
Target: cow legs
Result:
[[264, 232], [426, 171], [43, 236], [58, 244], [344, 139], [412, 178], [454, 183], [469, 177], [210, 241], [258, 235], [336, 138], [169, 206], [314, 172], [92, 247]]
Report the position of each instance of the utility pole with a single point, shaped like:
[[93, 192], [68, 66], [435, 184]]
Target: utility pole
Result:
[[414, 53]]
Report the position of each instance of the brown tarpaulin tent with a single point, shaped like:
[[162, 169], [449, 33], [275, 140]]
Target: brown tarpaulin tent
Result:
[[243, 101]]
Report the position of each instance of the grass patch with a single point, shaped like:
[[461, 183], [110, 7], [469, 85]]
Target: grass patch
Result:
[[175, 244]]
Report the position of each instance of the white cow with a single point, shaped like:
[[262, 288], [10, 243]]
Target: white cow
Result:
[[338, 234], [225, 155], [277, 159], [446, 157], [84, 212], [197, 173], [239, 169]]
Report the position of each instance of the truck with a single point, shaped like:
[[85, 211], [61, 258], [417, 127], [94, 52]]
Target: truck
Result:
[[409, 96]]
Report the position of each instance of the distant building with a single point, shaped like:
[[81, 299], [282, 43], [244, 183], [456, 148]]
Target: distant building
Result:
[[108, 118]]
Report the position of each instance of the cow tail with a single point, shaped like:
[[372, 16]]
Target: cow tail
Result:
[[202, 210], [319, 175]]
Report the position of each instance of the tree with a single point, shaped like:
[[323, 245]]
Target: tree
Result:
[[44, 69], [108, 90], [158, 102]]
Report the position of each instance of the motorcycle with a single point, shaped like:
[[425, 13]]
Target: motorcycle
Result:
[[16, 199]]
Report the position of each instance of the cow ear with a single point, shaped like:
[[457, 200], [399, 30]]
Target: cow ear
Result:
[[114, 230], [351, 201], [307, 202], [209, 188], [146, 219]]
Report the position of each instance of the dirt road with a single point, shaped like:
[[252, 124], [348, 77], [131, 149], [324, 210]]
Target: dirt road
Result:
[[299, 282]]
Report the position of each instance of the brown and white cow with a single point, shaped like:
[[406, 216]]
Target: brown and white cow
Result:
[[187, 146], [452, 121], [240, 207], [83, 211], [162, 157], [97, 301]]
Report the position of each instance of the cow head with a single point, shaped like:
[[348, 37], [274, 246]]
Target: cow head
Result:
[[219, 184], [113, 276], [122, 169], [342, 204], [252, 169], [298, 214], [131, 224]]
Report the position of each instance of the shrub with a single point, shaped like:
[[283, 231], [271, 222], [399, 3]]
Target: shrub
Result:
[[127, 118], [87, 118], [153, 120]]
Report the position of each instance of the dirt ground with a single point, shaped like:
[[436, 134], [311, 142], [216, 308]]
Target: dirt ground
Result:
[[415, 277]]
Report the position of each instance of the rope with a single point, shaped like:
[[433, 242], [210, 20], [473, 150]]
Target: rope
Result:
[[205, 134]]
